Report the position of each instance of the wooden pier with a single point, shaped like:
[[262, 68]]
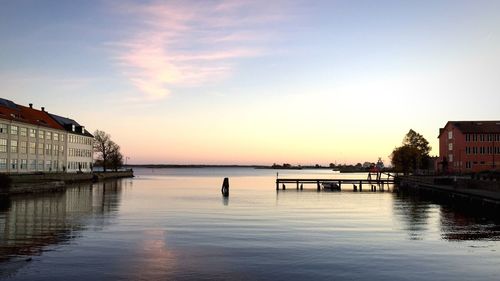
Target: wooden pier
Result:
[[357, 184]]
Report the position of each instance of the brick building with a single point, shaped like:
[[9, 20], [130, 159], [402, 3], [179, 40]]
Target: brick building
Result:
[[469, 146]]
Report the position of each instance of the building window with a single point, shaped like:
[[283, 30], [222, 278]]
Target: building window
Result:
[[23, 132], [468, 165], [48, 136], [40, 149], [13, 130], [450, 146], [24, 147], [61, 149], [40, 165], [3, 163], [55, 165], [48, 165], [62, 137], [56, 136], [13, 146], [48, 149], [3, 128], [33, 164], [3, 145], [24, 164], [41, 134], [450, 157], [450, 135], [32, 148], [13, 164], [32, 133], [55, 149]]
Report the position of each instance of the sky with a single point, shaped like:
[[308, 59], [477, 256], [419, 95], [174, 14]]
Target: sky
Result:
[[254, 82]]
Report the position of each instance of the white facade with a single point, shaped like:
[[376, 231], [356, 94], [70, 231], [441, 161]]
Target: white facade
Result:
[[29, 148], [80, 154]]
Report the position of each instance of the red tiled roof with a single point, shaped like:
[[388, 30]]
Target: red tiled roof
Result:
[[29, 115]]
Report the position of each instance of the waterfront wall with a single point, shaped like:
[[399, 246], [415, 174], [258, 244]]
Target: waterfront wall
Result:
[[41, 182], [471, 194]]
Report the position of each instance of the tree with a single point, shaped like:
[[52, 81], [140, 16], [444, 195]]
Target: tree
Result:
[[115, 157], [105, 148], [412, 155]]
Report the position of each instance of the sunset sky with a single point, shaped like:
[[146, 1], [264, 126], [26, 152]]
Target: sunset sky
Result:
[[255, 82]]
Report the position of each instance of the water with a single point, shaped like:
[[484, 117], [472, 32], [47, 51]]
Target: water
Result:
[[173, 224]]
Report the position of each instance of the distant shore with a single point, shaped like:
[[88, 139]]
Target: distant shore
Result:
[[341, 169]]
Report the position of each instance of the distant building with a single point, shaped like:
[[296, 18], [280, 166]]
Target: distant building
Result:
[[469, 146], [33, 140]]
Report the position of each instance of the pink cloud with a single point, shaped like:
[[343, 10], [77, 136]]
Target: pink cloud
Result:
[[185, 43]]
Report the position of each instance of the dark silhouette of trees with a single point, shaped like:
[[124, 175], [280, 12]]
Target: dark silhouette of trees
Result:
[[412, 155], [116, 158], [108, 152]]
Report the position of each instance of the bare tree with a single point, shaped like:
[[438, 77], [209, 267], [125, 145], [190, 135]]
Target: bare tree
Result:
[[115, 157], [103, 146]]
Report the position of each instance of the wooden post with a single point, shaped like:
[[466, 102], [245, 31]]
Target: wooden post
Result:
[[360, 185], [277, 185], [319, 188], [297, 185], [225, 187]]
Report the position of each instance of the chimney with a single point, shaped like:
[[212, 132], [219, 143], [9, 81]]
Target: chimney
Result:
[[43, 109], [31, 105]]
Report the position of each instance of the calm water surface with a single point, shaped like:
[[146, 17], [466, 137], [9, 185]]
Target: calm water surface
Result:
[[173, 224]]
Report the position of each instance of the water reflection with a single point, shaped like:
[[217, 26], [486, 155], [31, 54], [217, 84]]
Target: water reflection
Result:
[[420, 214], [468, 225], [414, 213], [29, 223], [225, 201]]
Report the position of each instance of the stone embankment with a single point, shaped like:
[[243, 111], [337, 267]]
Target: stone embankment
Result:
[[478, 193], [41, 182]]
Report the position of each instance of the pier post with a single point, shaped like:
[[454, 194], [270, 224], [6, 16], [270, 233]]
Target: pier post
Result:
[[360, 186], [319, 188], [277, 185], [297, 185], [225, 187]]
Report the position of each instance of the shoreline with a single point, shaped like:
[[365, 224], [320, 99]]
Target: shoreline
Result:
[[46, 182]]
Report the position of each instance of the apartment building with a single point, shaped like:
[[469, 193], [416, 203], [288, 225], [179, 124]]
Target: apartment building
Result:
[[32, 140], [469, 146]]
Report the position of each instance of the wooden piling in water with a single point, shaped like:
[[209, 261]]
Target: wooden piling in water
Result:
[[225, 187]]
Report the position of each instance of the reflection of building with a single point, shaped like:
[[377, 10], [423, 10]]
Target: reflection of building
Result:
[[458, 226], [29, 223], [34, 140], [469, 146]]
